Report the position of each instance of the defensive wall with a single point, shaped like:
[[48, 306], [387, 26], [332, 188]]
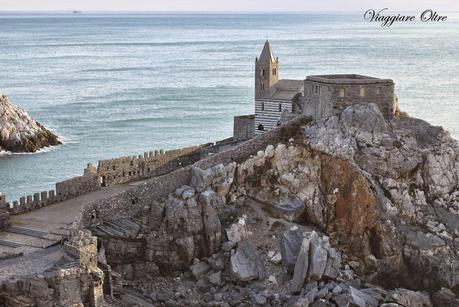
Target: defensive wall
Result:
[[150, 164], [64, 190], [108, 173], [131, 201]]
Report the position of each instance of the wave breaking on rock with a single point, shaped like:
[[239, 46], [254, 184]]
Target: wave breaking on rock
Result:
[[21, 133]]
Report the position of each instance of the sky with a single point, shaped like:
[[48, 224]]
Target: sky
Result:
[[229, 5]]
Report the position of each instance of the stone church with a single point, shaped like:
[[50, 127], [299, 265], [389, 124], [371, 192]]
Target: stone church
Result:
[[279, 100], [273, 96]]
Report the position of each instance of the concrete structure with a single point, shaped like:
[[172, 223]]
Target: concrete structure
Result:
[[278, 101], [273, 96]]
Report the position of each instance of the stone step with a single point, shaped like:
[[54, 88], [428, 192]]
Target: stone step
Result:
[[25, 240], [26, 231], [8, 243], [33, 233], [10, 252]]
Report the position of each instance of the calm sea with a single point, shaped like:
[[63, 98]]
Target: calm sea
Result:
[[114, 85]]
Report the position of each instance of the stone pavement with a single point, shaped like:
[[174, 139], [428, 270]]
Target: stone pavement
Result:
[[42, 228]]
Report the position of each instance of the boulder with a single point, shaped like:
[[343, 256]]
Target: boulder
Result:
[[215, 278], [290, 245], [410, 298], [333, 266], [238, 231], [245, 263], [199, 268], [361, 299], [289, 208], [301, 266], [317, 257], [275, 257], [297, 301], [201, 179]]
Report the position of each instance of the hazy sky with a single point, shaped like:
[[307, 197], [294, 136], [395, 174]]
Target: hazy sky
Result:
[[228, 5]]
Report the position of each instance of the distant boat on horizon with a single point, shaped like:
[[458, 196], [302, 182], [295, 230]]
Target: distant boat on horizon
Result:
[[77, 12]]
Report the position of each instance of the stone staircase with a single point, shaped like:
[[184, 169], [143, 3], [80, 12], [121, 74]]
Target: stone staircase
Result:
[[16, 241]]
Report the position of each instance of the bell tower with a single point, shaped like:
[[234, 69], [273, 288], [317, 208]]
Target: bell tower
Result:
[[266, 73]]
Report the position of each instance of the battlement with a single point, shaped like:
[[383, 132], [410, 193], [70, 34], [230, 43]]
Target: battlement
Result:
[[107, 173], [64, 190], [152, 163]]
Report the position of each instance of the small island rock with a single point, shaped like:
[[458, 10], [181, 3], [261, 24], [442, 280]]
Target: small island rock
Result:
[[21, 133]]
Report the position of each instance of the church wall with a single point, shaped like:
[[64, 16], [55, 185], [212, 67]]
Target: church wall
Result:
[[269, 116]]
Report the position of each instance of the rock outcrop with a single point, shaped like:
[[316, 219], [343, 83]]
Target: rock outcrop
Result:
[[353, 210], [21, 133]]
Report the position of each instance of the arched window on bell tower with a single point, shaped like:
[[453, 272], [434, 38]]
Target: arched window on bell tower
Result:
[[266, 73]]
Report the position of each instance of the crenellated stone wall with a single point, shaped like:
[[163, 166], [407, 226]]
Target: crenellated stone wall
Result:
[[65, 190], [108, 173], [150, 164], [77, 186], [126, 203]]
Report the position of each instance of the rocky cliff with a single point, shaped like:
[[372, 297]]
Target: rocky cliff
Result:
[[350, 210], [353, 210], [21, 133]]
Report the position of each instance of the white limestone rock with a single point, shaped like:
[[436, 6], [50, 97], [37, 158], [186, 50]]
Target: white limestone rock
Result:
[[21, 133], [238, 231]]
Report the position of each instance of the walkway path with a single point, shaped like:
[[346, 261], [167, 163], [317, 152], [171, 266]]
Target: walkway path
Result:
[[44, 227]]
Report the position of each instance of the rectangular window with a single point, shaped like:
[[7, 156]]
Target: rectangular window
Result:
[[362, 91], [341, 92], [280, 107], [262, 106], [316, 89]]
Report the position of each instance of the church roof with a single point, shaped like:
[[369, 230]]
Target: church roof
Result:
[[287, 89], [266, 54]]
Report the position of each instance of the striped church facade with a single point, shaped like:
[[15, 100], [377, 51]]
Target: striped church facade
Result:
[[269, 113]]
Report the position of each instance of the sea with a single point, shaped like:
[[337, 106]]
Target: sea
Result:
[[118, 84]]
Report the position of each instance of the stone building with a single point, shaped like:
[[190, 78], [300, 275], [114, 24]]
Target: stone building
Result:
[[243, 127], [328, 94], [273, 96], [279, 100]]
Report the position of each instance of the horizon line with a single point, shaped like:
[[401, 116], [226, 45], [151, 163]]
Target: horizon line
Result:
[[71, 11]]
